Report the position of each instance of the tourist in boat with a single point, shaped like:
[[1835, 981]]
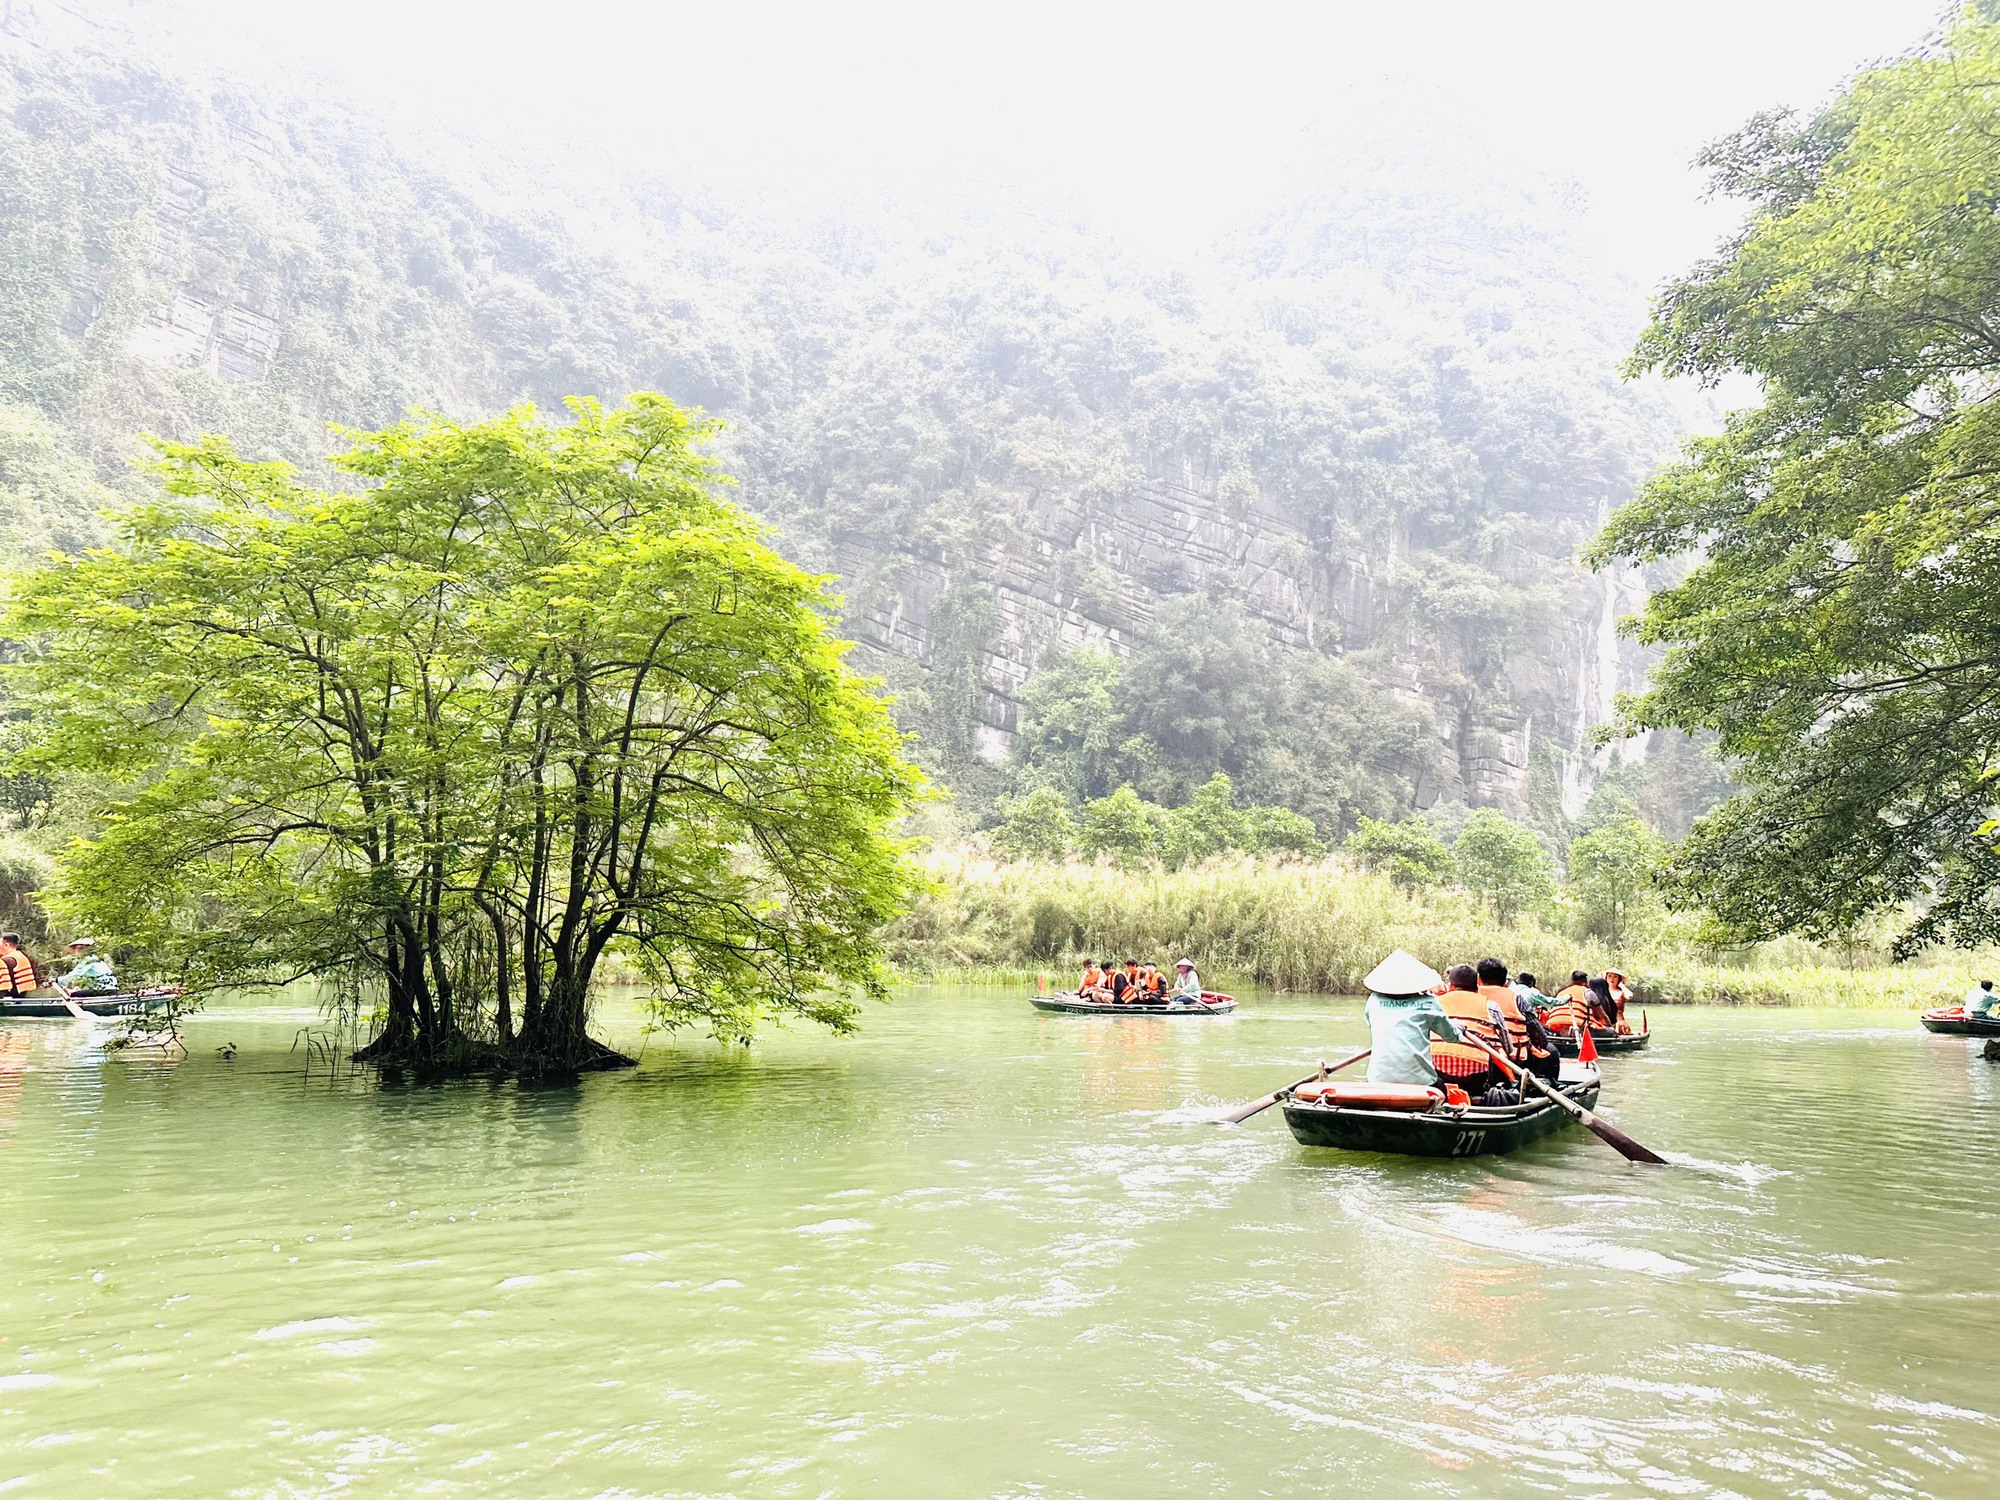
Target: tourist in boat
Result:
[[1621, 996], [1602, 1005], [1528, 995], [1093, 976], [1406, 1023], [1106, 988], [1187, 983], [1980, 999], [1125, 983], [1525, 1041], [1456, 1060], [17, 970], [1570, 1005], [91, 974], [1152, 988]]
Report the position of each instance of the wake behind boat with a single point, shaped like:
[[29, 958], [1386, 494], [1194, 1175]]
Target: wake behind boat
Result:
[[1211, 1004], [1412, 1120]]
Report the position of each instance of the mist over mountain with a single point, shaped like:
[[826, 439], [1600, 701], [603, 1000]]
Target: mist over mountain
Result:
[[1314, 491]]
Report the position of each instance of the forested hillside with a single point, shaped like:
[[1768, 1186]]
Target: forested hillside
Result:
[[1301, 509]]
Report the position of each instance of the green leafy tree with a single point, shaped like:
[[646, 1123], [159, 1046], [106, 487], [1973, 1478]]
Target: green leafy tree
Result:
[[1611, 871], [1070, 726], [1837, 633], [1038, 826], [1504, 863], [1410, 853], [1207, 824], [1279, 830], [524, 695], [1123, 825]]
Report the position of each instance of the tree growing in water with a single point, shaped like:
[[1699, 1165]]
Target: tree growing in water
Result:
[[528, 695]]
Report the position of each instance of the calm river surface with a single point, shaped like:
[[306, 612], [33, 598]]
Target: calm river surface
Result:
[[980, 1251]]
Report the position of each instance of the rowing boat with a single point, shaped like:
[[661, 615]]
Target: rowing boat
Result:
[[1441, 1130], [1212, 1004], [1609, 1043], [135, 1003], [1953, 1021]]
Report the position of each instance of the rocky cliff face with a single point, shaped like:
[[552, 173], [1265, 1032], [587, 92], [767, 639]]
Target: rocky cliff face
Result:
[[1381, 429], [1103, 575]]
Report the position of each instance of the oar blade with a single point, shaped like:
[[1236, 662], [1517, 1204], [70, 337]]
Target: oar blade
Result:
[[1623, 1144]]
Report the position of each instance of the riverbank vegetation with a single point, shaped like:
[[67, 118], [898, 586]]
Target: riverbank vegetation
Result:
[[1322, 925], [524, 695]]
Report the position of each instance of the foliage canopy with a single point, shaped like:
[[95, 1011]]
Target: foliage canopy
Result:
[[528, 694]]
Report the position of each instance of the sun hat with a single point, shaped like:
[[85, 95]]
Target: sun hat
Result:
[[1403, 974], [1183, 963]]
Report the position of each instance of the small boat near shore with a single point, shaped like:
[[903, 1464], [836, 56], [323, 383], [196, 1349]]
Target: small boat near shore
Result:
[[1407, 1120], [1608, 1043], [1953, 1021], [133, 1003], [1212, 1004]]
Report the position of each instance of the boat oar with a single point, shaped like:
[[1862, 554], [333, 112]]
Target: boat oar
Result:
[[69, 1004], [1610, 1134], [1258, 1106]]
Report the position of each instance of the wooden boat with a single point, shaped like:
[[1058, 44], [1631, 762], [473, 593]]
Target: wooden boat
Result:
[[1609, 1043], [1442, 1130], [1953, 1021], [132, 1003], [1212, 1004]]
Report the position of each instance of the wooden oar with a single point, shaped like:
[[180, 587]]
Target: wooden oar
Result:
[[1610, 1134], [69, 1004], [1238, 1116]]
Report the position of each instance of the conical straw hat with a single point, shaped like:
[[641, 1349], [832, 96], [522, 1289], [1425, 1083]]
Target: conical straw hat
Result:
[[1403, 974]]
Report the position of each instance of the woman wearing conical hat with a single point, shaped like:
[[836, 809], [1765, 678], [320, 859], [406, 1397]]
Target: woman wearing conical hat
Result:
[[1403, 1015]]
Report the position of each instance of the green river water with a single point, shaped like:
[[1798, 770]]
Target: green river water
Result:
[[981, 1251]]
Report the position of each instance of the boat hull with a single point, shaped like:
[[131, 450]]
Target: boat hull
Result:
[[1069, 1005], [1946, 1024], [1438, 1133], [1609, 1043], [43, 1007]]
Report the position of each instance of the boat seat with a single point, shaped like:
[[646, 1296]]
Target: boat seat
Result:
[[1415, 1097]]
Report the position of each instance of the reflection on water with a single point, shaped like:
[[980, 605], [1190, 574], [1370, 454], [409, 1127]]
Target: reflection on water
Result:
[[977, 1250]]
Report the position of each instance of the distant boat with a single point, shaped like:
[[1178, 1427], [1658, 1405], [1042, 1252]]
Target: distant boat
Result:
[[1609, 1043], [1211, 1004], [1953, 1021], [132, 1003]]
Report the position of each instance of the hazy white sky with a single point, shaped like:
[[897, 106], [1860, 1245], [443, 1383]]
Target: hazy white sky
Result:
[[1162, 119]]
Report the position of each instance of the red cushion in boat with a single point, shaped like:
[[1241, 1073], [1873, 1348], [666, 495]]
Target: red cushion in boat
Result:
[[1410, 1096]]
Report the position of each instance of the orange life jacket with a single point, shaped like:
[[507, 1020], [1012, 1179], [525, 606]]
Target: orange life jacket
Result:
[[1469, 1011], [1572, 1005], [1154, 985], [19, 971], [1092, 978]]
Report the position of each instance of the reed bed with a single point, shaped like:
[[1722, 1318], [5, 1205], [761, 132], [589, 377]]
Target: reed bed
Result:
[[1321, 926]]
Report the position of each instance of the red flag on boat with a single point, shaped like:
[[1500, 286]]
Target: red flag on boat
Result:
[[1586, 1044]]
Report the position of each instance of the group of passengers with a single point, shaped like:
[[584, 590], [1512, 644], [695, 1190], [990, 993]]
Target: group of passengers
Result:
[[1472, 1030], [1134, 983], [22, 974]]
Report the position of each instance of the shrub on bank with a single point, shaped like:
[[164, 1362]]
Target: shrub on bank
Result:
[[1317, 926]]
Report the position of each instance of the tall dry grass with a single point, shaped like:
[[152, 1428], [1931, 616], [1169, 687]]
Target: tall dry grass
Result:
[[1321, 927]]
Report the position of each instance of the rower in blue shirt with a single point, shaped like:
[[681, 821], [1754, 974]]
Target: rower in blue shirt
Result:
[[91, 976], [1980, 999], [1403, 1015]]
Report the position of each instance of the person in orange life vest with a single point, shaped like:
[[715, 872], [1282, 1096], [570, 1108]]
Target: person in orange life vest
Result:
[[1106, 988], [1152, 987], [17, 970], [1135, 990], [1457, 1061], [1525, 1040], [1092, 978]]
